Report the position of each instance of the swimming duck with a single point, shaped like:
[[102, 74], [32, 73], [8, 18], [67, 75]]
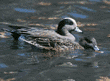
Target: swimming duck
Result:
[[49, 39], [89, 43], [54, 40]]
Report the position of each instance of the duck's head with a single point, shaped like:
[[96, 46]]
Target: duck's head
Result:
[[67, 24], [89, 43]]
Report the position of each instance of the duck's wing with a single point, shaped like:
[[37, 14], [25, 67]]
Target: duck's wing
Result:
[[44, 35], [38, 43], [44, 39], [37, 33]]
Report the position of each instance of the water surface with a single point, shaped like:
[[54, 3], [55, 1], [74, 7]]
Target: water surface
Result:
[[20, 63]]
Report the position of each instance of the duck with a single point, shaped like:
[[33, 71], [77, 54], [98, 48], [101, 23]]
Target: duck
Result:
[[89, 42], [60, 39]]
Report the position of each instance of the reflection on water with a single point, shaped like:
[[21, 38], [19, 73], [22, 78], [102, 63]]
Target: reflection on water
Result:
[[2, 65], [21, 54], [21, 63], [2, 40], [25, 10], [95, 0], [76, 15], [108, 10], [85, 8], [17, 45], [78, 59], [103, 78], [62, 7], [67, 64]]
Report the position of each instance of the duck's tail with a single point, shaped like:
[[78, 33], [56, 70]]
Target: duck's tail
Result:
[[14, 33], [15, 27]]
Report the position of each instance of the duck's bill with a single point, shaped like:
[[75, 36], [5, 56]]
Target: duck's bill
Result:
[[98, 50], [78, 30]]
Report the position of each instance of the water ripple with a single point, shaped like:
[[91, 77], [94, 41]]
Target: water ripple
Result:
[[25, 10], [95, 0], [76, 15], [85, 8], [79, 59], [2, 65]]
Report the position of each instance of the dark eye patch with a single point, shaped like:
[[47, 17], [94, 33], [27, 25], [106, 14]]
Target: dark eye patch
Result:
[[68, 22], [64, 22], [88, 39]]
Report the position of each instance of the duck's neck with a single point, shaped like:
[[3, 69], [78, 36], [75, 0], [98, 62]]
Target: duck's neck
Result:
[[64, 32]]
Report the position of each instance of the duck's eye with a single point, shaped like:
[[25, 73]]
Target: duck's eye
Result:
[[88, 40], [70, 22]]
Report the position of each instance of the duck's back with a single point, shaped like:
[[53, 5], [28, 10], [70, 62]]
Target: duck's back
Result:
[[46, 38]]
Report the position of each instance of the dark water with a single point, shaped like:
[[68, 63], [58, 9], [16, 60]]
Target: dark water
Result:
[[20, 63]]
